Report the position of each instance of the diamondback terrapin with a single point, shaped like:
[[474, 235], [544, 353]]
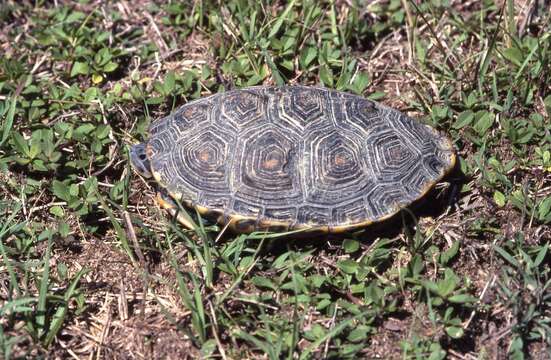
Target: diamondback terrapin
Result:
[[292, 157]]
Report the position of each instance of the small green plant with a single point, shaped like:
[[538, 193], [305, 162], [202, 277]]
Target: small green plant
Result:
[[525, 286], [418, 348], [44, 312]]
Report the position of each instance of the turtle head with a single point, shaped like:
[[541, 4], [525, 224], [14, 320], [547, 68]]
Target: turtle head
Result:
[[139, 160]]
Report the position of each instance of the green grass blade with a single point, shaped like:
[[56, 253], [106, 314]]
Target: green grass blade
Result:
[[334, 28], [14, 284], [541, 255], [18, 305], [295, 321], [8, 124], [530, 55], [207, 254], [278, 77], [262, 345], [220, 300], [199, 314], [505, 255], [57, 320], [281, 19], [43, 289], [121, 234], [188, 302], [193, 302], [204, 256], [483, 68]]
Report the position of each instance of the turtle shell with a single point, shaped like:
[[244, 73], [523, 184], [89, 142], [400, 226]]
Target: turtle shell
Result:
[[293, 157]]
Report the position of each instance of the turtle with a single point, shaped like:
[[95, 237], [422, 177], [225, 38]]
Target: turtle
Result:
[[293, 157]]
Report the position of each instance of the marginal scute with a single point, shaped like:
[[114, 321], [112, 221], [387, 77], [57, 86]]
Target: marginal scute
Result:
[[314, 215], [246, 209], [295, 157], [384, 200], [287, 214], [245, 225], [350, 213], [215, 201]]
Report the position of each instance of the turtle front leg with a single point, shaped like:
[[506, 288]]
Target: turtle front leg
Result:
[[166, 202]]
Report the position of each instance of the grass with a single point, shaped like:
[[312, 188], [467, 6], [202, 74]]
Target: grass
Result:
[[91, 267]]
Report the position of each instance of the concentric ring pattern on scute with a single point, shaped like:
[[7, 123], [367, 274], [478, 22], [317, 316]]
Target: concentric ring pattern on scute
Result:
[[296, 156]]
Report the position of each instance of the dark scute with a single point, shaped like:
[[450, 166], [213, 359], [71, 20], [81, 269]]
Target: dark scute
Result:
[[316, 215]]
